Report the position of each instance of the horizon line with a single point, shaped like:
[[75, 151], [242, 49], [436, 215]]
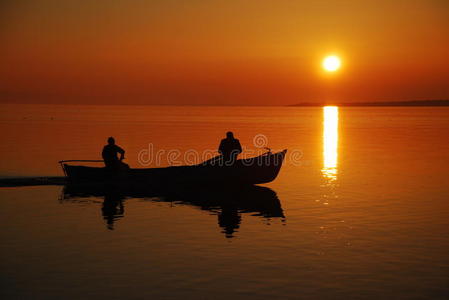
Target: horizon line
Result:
[[429, 102]]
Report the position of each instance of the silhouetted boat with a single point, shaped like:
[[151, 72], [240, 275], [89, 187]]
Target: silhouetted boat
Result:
[[256, 170]]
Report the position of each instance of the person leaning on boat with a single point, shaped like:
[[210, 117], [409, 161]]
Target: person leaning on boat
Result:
[[230, 148], [110, 156]]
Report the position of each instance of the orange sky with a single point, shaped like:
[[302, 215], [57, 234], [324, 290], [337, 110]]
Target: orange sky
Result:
[[222, 52]]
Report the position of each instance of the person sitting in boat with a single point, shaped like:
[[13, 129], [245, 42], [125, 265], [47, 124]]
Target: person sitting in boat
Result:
[[230, 148], [109, 154]]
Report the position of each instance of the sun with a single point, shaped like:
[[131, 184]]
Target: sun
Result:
[[331, 63]]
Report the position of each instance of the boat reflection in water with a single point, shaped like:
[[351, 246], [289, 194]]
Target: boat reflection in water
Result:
[[112, 209], [227, 204]]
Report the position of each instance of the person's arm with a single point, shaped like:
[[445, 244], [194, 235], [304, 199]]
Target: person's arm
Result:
[[103, 154], [220, 148], [122, 153], [239, 147]]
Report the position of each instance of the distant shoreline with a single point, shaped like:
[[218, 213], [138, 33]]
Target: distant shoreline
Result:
[[387, 103]]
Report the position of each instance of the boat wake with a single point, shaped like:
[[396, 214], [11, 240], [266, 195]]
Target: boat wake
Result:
[[32, 181]]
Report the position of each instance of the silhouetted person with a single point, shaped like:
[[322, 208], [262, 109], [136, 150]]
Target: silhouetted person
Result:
[[110, 155], [230, 148]]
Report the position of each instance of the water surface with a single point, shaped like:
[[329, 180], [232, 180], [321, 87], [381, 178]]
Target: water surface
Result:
[[360, 211]]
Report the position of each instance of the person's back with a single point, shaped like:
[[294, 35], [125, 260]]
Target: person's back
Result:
[[110, 154], [230, 148]]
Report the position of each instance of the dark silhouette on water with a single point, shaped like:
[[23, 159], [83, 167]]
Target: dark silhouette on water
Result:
[[112, 208], [230, 148], [229, 219], [110, 155], [227, 204], [256, 170], [32, 181]]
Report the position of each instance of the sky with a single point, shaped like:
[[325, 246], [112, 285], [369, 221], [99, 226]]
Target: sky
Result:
[[222, 52]]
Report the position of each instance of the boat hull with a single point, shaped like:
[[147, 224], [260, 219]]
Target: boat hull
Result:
[[257, 170]]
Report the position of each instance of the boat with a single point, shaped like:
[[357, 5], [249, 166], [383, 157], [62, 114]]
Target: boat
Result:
[[249, 171]]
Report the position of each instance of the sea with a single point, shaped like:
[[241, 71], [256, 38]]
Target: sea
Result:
[[359, 210]]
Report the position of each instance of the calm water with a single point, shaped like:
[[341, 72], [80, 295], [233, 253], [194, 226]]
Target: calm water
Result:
[[359, 210]]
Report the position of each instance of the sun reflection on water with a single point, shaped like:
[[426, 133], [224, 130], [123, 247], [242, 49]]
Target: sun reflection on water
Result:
[[330, 143]]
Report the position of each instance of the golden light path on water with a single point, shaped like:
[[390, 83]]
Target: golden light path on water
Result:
[[330, 142]]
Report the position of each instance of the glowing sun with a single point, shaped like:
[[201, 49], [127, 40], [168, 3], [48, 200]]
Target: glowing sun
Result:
[[331, 63]]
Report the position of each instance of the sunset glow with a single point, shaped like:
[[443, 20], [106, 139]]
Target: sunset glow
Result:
[[204, 149], [331, 63], [222, 52]]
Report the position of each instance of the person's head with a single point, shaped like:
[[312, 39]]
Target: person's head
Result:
[[229, 135], [111, 141]]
